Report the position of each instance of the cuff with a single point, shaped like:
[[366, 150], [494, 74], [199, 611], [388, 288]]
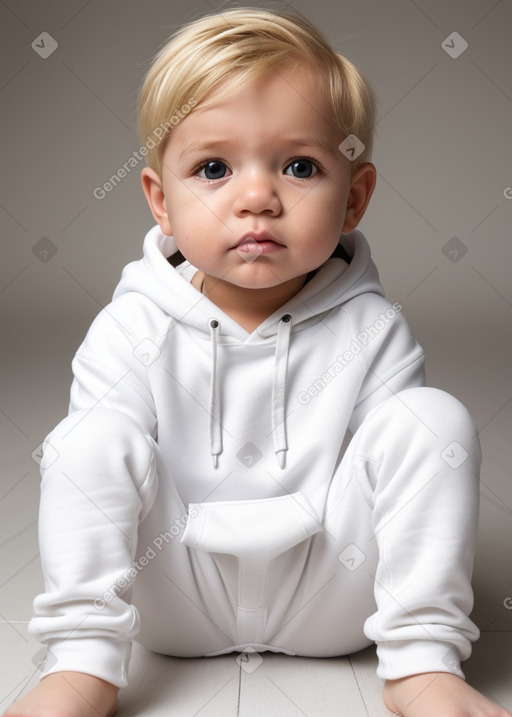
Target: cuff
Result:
[[104, 658], [413, 657]]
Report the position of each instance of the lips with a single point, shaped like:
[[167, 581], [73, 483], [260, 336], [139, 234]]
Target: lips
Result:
[[256, 243]]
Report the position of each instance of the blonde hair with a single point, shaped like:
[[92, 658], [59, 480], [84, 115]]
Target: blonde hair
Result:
[[242, 44]]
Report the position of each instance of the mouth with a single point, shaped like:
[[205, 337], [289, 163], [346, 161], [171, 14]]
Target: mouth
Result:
[[255, 243]]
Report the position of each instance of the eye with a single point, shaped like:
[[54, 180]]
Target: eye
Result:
[[214, 169], [301, 168]]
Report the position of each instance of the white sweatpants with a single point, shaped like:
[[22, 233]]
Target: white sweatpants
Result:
[[390, 561]]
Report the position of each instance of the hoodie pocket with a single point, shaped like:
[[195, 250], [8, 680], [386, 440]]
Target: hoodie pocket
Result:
[[256, 532], [251, 528]]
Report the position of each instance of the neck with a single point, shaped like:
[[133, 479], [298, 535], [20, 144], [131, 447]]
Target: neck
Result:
[[249, 307]]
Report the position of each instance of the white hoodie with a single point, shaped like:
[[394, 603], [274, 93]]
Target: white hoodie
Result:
[[251, 430], [246, 416]]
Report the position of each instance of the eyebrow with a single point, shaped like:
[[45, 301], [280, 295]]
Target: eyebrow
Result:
[[192, 147], [317, 142], [305, 141]]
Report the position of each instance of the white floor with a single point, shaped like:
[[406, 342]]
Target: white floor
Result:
[[262, 685]]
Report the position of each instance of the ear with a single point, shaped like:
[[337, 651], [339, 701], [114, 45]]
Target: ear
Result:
[[361, 190], [152, 187]]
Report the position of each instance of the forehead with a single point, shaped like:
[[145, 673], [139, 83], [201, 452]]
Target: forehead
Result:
[[279, 103]]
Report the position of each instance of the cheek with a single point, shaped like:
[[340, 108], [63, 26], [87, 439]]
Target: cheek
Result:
[[326, 216], [195, 241], [188, 205], [335, 203], [328, 200]]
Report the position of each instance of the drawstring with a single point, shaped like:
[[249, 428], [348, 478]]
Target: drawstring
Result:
[[215, 427], [279, 389], [278, 392]]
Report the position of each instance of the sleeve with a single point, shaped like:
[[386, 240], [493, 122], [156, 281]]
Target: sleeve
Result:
[[391, 359], [110, 367]]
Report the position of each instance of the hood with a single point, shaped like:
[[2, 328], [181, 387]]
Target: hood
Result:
[[169, 288], [334, 283]]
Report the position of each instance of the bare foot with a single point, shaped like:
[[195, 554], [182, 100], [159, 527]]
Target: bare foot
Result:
[[67, 694], [438, 693]]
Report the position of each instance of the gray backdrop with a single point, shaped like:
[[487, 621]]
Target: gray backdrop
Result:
[[439, 221]]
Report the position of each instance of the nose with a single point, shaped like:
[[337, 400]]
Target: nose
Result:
[[256, 193]]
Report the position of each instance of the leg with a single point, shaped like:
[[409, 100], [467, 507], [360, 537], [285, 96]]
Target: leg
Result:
[[98, 481], [425, 458]]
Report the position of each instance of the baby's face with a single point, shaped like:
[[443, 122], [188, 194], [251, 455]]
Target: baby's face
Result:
[[255, 186]]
